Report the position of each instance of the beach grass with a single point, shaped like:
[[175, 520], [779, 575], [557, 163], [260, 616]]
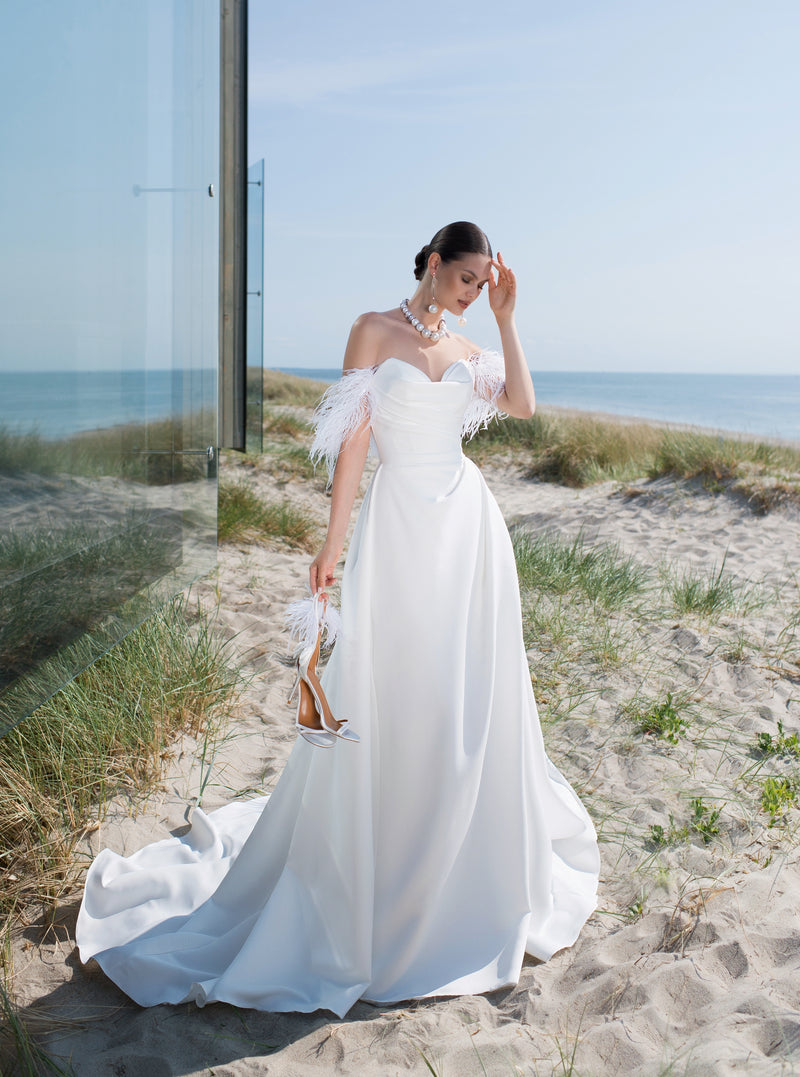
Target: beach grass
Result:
[[709, 594], [580, 450], [109, 729], [21, 1053], [601, 573], [245, 517]]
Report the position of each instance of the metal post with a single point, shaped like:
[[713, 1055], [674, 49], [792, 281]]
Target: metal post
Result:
[[233, 223]]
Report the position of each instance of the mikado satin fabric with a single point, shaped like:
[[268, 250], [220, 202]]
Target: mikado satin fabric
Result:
[[428, 858]]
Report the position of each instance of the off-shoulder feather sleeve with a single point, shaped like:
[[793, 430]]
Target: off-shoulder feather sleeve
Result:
[[489, 381], [344, 407]]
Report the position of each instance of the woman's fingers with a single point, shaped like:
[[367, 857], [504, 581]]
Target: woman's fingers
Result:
[[320, 577]]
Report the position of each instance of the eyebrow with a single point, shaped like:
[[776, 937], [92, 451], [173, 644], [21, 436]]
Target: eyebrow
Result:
[[475, 275]]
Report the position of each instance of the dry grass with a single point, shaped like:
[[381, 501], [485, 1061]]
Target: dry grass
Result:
[[110, 728], [581, 450], [288, 389]]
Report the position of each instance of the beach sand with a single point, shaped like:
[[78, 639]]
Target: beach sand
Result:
[[691, 964]]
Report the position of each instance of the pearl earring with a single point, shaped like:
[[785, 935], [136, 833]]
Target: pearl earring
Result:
[[432, 308], [462, 320]]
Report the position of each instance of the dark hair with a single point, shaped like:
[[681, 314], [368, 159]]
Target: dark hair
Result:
[[450, 243]]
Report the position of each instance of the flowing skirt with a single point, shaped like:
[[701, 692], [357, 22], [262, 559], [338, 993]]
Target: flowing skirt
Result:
[[425, 860]]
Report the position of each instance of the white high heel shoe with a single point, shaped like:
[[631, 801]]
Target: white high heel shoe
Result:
[[307, 619], [307, 671]]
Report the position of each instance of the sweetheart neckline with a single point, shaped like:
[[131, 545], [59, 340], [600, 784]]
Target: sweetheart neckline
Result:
[[427, 377]]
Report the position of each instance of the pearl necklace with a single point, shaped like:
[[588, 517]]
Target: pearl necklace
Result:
[[429, 334]]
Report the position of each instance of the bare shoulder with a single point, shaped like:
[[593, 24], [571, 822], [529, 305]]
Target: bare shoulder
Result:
[[367, 337]]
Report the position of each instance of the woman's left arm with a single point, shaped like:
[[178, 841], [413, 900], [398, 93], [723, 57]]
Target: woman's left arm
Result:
[[518, 398]]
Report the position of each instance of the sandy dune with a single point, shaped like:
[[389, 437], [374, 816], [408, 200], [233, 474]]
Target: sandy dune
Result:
[[691, 964]]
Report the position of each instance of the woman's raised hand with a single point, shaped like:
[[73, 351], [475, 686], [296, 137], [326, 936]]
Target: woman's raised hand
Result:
[[502, 289]]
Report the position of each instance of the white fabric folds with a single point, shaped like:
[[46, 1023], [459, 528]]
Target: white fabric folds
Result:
[[429, 857]]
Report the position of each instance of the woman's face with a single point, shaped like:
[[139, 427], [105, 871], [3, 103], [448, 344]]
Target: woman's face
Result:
[[459, 283]]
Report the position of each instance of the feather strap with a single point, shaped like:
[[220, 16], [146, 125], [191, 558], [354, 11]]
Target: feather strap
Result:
[[344, 407], [304, 619], [489, 381]]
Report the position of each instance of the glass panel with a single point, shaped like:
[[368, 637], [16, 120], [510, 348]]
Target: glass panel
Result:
[[255, 307], [108, 323]]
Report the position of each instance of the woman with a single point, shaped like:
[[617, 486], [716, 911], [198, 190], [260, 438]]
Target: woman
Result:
[[427, 855]]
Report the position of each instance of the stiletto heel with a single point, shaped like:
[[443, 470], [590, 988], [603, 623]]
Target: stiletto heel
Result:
[[307, 721], [293, 692]]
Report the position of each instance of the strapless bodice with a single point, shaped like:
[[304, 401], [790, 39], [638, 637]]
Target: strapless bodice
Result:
[[416, 421]]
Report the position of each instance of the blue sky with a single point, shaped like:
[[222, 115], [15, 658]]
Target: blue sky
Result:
[[638, 164]]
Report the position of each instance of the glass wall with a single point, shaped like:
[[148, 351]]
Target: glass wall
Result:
[[108, 326], [255, 307]]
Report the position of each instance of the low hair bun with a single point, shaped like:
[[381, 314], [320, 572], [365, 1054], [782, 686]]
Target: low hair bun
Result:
[[421, 262], [451, 243]]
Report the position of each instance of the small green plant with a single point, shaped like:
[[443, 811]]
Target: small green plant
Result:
[[778, 795], [780, 744], [704, 820], [635, 910], [661, 720], [660, 837]]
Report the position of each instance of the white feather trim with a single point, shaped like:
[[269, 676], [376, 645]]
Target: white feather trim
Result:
[[489, 381], [344, 407], [304, 618]]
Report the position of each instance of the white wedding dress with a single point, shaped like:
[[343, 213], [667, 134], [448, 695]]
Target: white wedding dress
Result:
[[428, 858]]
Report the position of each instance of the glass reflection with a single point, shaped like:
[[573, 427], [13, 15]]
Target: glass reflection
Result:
[[108, 322]]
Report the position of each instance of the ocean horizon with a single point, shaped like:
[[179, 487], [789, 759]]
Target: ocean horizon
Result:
[[60, 404]]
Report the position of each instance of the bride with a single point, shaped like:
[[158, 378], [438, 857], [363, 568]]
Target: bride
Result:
[[419, 841]]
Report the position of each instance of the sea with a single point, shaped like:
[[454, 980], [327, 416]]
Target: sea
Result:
[[57, 404]]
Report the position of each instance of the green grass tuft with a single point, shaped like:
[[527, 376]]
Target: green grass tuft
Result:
[[283, 424], [600, 573], [709, 595], [244, 517]]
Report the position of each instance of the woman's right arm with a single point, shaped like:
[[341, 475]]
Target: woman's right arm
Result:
[[361, 352], [346, 478]]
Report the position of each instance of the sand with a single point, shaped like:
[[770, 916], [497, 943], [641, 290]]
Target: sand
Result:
[[691, 965]]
